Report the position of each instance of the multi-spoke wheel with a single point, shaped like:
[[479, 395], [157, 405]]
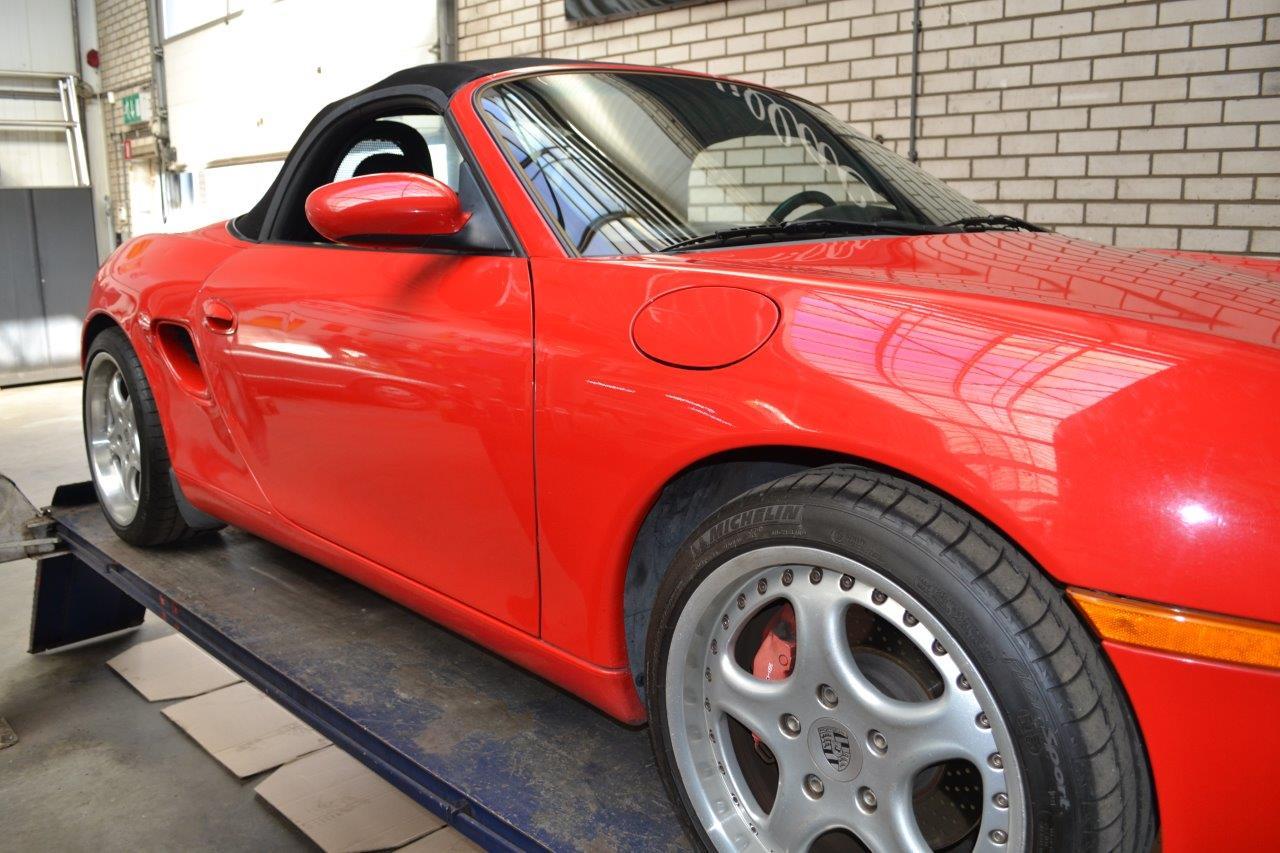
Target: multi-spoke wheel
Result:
[[875, 716], [844, 661], [111, 430], [127, 455]]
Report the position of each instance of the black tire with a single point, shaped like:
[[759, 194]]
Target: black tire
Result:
[[158, 520], [1082, 760]]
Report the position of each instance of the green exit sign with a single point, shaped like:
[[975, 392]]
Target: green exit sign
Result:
[[136, 107]]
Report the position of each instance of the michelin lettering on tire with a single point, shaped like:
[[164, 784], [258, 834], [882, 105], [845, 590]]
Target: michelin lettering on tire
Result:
[[788, 514]]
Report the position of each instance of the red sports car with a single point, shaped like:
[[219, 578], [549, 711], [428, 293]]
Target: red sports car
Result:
[[906, 526]]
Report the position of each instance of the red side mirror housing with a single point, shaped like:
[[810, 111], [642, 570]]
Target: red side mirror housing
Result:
[[387, 209]]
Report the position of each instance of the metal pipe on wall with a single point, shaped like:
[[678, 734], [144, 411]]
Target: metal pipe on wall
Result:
[[916, 29], [447, 30], [93, 124], [159, 103]]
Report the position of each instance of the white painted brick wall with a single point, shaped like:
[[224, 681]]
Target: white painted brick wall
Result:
[[124, 45], [1138, 123]]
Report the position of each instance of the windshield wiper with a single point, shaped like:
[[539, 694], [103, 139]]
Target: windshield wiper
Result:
[[997, 220], [797, 228]]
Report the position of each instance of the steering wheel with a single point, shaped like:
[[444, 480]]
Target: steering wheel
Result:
[[797, 201]]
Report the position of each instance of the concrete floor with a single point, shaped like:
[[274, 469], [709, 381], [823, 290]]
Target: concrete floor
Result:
[[97, 768]]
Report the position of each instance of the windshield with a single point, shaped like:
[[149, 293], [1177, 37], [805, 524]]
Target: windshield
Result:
[[627, 162]]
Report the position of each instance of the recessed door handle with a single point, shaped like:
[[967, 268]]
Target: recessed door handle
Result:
[[218, 317]]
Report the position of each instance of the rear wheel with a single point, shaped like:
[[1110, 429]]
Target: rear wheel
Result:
[[841, 660], [128, 459]]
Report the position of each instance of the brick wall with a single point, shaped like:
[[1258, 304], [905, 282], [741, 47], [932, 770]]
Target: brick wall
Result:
[[124, 45], [1139, 123]]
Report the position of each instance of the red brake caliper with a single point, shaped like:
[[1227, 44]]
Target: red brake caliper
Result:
[[777, 653]]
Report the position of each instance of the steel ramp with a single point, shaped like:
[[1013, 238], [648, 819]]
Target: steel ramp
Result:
[[508, 759]]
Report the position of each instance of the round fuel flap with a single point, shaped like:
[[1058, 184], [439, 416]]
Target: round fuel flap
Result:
[[701, 328]]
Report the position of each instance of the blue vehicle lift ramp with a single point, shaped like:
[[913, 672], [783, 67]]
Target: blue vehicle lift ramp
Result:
[[509, 760]]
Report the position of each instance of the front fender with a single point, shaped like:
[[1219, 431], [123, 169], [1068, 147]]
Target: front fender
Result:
[[1255, 264], [1120, 457]]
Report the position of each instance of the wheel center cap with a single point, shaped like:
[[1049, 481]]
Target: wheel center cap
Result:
[[833, 750]]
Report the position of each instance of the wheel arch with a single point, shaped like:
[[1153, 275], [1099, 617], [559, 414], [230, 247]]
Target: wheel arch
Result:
[[696, 491], [95, 325]]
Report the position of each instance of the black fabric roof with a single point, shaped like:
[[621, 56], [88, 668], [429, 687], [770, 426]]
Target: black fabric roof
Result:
[[445, 77], [449, 77]]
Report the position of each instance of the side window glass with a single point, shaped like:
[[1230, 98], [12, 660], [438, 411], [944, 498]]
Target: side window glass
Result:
[[403, 143], [417, 143], [359, 152]]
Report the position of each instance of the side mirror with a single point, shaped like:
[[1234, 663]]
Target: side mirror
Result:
[[388, 209]]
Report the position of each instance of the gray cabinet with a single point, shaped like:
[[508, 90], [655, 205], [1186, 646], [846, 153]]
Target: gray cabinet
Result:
[[48, 256]]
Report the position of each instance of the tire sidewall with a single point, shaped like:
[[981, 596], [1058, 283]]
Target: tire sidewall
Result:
[[114, 343], [972, 618]]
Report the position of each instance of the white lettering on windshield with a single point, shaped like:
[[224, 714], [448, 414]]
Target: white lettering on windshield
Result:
[[788, 129]]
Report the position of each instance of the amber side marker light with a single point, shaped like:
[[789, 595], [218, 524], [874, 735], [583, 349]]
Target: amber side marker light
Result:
[[1184, 632]]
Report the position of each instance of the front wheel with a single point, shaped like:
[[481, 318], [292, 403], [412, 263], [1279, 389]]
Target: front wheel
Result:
[[841, 660]]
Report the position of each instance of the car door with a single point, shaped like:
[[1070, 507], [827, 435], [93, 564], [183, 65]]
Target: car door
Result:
[[383, 401]]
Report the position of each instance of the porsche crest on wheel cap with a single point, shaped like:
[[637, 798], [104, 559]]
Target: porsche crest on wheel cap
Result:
[[832, 747]]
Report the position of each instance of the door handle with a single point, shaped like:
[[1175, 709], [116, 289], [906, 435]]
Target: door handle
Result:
[[218, 317]]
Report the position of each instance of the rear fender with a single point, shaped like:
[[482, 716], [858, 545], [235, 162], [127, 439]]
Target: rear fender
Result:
[[150, 284]]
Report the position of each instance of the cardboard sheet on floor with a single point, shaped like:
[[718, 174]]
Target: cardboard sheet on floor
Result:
[[171, 667], [446, 839], [243, 729], [343, 806]]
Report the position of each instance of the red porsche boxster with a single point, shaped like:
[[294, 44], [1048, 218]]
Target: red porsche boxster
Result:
[[904, 524]]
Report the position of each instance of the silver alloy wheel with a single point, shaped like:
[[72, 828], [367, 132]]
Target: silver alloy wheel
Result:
[[115, 452], [882, 743]]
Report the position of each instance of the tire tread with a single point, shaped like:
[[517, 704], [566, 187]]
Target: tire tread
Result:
[[1119, 766]]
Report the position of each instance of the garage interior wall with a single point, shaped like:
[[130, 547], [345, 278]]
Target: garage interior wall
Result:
[[1156, 123], [231, 129], [35, 39], [49, 241], [124, 42], [241, 78]]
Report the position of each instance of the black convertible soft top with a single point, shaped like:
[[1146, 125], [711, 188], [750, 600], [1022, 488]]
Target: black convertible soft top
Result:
[[438, 81], [449, 77]]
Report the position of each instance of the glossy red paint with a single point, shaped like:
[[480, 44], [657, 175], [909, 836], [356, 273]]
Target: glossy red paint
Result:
[[1265, 266], [372, 209], [218, 317], [1210, 729], [962, 361], [704, 327], [346, 359], [1107, 409]]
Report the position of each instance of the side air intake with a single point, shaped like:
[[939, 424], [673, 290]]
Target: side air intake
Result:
[[179, 353]]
